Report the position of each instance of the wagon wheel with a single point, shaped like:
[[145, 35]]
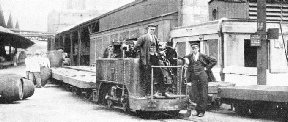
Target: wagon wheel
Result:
[[73, 89], [241, 109], [259, 109], [109, 103], [88, 94], [282, 113], [217, 103]]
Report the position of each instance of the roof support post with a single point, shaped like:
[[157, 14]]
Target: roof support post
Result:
[[10, 51], [79, 47], [71, 50], [63, 42], [90, 29]]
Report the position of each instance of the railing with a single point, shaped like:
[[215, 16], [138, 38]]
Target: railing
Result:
[[152, 76]]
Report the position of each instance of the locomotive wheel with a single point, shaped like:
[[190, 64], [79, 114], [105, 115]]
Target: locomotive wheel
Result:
[[109, 103], [126, 107], [175, 113]]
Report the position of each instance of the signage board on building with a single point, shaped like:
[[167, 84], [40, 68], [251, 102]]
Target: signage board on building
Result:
[[255, 40]]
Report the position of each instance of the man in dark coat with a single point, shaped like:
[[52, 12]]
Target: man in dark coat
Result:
[[198, 63], [149, 48]]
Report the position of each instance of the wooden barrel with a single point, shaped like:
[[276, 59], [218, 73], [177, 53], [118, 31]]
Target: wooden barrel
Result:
[[10, 87], [56, 58], [28, 88], [45, 75]]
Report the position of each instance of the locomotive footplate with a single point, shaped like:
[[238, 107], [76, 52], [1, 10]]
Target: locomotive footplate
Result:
[[149, 104]]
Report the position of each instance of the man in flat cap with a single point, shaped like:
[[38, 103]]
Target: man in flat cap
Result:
[[196, 74], [149, 48]]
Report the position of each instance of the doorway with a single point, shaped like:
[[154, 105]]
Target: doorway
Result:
[[250, 54]]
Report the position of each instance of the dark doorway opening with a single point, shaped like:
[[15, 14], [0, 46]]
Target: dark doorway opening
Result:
[[250, 54]]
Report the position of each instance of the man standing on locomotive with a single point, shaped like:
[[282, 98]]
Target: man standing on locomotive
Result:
[[198, 63], [149, 48]]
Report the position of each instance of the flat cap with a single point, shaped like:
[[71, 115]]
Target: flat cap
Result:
[[152, 25], [194, 44]]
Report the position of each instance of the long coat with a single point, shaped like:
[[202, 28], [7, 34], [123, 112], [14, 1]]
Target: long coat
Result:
[[144, 43]]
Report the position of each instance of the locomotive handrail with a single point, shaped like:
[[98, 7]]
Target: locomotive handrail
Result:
[[167, 66]]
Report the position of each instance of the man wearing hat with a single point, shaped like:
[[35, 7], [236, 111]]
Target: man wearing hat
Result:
[[196, 74], [149, 48], [35, 65]]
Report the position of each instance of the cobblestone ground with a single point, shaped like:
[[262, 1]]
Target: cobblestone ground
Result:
[[54, 104]]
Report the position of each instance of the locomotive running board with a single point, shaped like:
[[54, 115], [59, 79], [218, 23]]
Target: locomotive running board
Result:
[[148, 104]]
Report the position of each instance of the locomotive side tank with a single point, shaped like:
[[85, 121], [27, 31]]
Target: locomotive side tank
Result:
[[120, 85]]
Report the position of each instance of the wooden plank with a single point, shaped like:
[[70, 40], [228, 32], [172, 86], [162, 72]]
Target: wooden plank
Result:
[[256, 92], [213, 86], [83, 68], [78, 78]]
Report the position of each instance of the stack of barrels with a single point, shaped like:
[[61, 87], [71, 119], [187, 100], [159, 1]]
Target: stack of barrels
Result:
[[13, 87]]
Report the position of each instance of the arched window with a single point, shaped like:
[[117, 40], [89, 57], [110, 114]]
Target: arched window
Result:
[[214, 14]]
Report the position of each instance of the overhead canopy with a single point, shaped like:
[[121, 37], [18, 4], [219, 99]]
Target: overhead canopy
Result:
[[8, 37]]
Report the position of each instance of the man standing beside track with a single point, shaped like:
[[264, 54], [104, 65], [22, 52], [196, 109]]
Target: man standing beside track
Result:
[[28, 64], [35, 64], [149, 48], [198, 63]]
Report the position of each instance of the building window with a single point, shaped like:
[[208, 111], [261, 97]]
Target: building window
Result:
[[211, 48], [214, 14], [181, 49], [250, 54]]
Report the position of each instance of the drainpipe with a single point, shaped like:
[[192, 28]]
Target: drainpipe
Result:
[[221, 35]]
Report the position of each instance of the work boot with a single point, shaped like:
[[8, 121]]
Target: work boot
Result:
[[168, 94], [196, 114], [201, 114], [157, 95], [187, 114]]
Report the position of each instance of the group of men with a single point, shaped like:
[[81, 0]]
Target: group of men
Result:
[[196, 63], [34, 63]]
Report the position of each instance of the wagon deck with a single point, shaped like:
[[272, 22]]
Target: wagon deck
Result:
[[81, 77], [256, 93]]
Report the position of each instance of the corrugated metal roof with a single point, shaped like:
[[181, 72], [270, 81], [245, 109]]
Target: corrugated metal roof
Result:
[[5, 30]]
